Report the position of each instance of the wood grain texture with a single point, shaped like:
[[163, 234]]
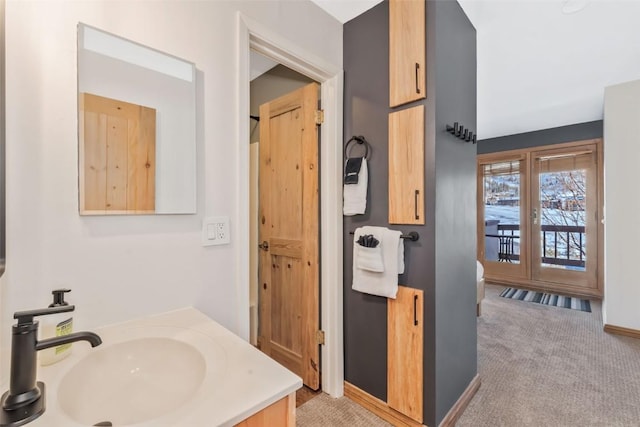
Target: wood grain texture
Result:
[[311, 233], [378, 407], [289, 222], [117, 162], [405, 352], [407, 47], [117, 156], [619, 330], [141, 185], [93, 188], [282, 413], [461, 404], [406, 166]]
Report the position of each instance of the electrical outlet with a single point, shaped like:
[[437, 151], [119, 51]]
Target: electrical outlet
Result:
[[215, 231]]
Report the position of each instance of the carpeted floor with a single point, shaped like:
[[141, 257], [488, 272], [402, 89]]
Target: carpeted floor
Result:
[[539, 366], [547, 366], [325, 411]]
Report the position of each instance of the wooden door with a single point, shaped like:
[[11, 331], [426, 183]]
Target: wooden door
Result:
[[503, 236], [289, 232], [539, 212], [406, 166], [405, 352], [117, 156], [406, 51], [564, 195]]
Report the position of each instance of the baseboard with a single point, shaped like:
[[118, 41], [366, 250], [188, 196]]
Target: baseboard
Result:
[[461, 404], [378, 407], [619, 330]]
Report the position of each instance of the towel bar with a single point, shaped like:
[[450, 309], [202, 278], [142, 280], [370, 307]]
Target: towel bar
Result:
[[413, 236]]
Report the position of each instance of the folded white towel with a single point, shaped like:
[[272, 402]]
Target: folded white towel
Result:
[[370, 259], [355, 195], [384, 283]]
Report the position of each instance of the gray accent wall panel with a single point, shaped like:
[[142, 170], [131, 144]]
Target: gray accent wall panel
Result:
[[447, 275], [366, 89], [576, 132], [455, 294]]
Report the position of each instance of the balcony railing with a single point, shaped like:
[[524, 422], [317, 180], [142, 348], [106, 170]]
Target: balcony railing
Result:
[[563, 244]]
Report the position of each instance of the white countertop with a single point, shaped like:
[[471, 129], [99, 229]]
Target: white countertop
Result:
[[239, 380]]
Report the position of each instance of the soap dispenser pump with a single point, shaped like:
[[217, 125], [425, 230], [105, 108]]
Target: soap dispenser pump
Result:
[[56, 326]]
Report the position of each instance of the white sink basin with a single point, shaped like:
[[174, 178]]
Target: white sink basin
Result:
[[132, 381]]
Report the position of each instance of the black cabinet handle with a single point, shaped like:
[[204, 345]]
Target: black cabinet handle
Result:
[[415, 310], [417, 77], [417, 193]]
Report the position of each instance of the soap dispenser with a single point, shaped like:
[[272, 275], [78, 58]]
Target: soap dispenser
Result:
[[55, 326]]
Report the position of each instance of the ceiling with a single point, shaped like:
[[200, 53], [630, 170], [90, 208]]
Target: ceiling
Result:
[[541, 63]]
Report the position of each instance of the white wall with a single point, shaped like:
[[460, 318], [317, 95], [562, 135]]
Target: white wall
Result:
[[126, 267], [622, 204]]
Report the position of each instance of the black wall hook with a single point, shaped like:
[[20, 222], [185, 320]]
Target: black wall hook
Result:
[[460, 132]]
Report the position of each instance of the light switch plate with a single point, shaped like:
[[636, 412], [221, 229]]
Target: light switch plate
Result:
[[215, 231]]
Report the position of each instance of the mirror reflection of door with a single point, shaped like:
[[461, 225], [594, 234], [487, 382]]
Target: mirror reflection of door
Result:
[[119, 69], [117, 152], [564, 212], [538, 217]]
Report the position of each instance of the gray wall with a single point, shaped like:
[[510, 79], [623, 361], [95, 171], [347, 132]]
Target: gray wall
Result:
[[442, 262], [366, 109], [455, 294], [577, 132]]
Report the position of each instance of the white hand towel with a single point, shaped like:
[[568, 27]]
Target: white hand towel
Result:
[[355, 195], [370, 258], [384, 283]]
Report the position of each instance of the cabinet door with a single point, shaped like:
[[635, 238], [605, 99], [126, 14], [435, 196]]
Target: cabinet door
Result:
[[406, 51], [405, 352], [406, 166]]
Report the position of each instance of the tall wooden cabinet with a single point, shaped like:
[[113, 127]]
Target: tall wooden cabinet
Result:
[[406, 51], [405, 352], [406, 166]]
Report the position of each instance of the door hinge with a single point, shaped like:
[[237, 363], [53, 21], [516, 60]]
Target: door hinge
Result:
[[320, 337], [319, 117]]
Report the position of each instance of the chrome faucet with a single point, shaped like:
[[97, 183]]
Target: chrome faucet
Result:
[[25, 400]]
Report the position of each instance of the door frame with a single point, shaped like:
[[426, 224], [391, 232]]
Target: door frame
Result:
[[568, 278], [255, 36], [527, 282]]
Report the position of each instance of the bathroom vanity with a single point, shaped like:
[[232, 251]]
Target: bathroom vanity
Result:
[[174, 369]]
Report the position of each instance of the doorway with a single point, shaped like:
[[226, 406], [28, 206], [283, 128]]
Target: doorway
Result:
[[539, 214], [253, 35], [286, 287]]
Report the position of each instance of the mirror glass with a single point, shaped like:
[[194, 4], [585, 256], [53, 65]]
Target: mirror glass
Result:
[[136, 128]]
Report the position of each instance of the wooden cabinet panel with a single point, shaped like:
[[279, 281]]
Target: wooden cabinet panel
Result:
[[406, 51], [282, 413], [405, 352], [406, 166]]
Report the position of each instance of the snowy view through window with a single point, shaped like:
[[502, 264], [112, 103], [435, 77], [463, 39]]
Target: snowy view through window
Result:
[[561, 216]]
